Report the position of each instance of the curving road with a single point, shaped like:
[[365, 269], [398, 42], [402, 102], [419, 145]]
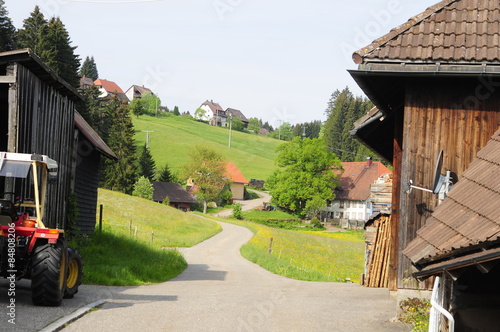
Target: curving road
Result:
[[221, 291]]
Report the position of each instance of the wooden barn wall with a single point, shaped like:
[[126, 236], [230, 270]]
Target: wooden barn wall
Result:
[[45, 122], [457, 116], [86, 183]]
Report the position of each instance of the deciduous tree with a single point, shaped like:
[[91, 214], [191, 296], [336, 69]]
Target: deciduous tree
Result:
[[305, 176], [207, 171]]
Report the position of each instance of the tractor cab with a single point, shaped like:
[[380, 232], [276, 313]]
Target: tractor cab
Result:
[[24, 179]]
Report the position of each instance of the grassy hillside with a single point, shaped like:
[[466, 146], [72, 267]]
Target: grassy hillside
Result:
[[120, 257], [174, 136]]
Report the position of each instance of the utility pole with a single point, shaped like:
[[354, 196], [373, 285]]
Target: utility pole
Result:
[[147, 136], [230, 129]]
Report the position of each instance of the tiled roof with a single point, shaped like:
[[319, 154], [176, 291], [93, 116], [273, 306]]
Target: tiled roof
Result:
[[236, 113], [174, 191], [215, 107], [109, 86], [234, 174], [357, 177], [469, 216], [451, 30]]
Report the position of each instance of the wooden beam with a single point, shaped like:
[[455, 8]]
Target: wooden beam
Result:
[[396, 192], [13, 107], [9, 79]]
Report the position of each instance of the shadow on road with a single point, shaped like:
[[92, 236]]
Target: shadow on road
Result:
[[200, 272]]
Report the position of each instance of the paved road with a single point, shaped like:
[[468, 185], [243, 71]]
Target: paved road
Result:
[[221, 291], [248, 204]]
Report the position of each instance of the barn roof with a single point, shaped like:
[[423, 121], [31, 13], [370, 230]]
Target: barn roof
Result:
[[357, 178], [93, 137], [30, 60], [451, 30], [467, 224], [451, 39], [174, 191]]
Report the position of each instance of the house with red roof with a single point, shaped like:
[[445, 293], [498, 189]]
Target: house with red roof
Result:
[[110, 89], [237, 180], [352, 197]]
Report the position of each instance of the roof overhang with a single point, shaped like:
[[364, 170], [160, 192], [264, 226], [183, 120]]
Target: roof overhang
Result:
[[385, 83], [481, 259], [30, 60], [93, 137]]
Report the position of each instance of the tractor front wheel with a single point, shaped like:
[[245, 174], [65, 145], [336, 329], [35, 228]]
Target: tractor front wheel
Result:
[[48, 273], [74, 275]]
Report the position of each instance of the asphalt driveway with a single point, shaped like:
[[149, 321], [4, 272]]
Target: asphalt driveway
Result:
[[219, 291]]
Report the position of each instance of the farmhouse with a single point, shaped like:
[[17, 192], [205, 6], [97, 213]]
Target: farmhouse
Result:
[[435, 81], [353, 196], [40, 117]]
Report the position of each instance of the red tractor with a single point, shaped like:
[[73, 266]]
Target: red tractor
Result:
[[28, 249]]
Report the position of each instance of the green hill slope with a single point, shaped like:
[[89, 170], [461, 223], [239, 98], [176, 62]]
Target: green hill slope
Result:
[[174, 137]]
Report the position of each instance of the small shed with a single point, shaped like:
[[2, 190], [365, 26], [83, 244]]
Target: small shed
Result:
[[237, 180], [38, 116], [179, 198]]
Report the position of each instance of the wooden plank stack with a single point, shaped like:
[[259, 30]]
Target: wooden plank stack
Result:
[[378, 253]]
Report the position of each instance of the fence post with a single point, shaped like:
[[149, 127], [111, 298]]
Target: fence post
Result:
[[270, 250], [100, 218]]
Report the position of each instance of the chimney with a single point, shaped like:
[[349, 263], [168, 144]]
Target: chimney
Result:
[[368, 162]]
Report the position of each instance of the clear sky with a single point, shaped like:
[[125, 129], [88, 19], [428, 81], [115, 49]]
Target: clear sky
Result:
[[279, 60]]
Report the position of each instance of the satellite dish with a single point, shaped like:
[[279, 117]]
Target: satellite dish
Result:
[[438, 178]]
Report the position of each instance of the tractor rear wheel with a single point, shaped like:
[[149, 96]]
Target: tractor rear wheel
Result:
[[48, 273], [74, 275]]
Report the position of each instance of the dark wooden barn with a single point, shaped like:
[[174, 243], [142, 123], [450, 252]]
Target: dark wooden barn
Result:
[[37, 115], [436, 83]]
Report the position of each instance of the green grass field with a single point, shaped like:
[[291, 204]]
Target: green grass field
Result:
[[121, 256], [174, 137]]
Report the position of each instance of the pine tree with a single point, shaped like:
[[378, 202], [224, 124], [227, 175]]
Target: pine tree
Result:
[[94, 111], [120, 175], [166, 175], [56, 51], [146, 164], [89, 69], [7, 30], [32, 32], [176, 111]]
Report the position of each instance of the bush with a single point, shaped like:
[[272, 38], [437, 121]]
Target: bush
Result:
[[237, 211], [316, 223]]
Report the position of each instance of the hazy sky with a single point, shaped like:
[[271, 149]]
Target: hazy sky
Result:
[[279, 60]]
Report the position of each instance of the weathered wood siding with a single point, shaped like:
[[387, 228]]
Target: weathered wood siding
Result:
[[457, 116], [87, 170], [44, 124]]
